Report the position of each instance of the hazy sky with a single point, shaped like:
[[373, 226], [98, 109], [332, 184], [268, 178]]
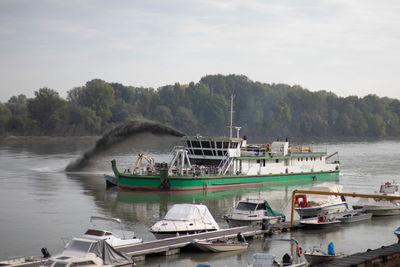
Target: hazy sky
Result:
[[347, 47]]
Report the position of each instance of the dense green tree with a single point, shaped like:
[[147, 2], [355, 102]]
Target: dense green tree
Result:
[[97, 95], [47, 109], [260, 109], [5, 115]]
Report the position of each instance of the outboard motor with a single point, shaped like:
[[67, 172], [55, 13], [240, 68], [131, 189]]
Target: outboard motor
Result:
[[45, 253], [286, 260]]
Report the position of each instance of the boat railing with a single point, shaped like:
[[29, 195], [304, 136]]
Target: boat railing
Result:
[[225, 164]]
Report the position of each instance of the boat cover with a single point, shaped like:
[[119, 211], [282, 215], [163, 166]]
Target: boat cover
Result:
[[190, 212], [109, 255], [270, 211], [324, 199]]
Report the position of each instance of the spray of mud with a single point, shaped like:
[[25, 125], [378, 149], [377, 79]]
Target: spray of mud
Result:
[[119, 134]]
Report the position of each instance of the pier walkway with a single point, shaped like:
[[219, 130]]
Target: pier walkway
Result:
[[170, 246], [384, 256]]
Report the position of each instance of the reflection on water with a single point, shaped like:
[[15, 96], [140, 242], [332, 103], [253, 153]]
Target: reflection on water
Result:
[[41, 203]]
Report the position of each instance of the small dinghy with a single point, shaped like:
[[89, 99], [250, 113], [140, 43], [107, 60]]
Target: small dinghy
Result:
[[220, 245], [318, 256]]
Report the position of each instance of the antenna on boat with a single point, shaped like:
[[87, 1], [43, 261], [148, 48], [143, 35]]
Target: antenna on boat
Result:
[[230, 127]]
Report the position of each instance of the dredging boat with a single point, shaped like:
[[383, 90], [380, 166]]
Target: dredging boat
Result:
[[206, 162], [220, 162]]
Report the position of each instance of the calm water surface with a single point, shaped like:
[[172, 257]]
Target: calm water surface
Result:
[[40, 203]]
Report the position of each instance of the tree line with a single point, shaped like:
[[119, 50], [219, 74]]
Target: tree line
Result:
[[260, 109]]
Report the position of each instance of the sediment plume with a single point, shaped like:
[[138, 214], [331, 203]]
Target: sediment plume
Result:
[[119, 134]]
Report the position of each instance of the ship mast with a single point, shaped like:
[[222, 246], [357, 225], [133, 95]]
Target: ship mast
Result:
[[231, 125]]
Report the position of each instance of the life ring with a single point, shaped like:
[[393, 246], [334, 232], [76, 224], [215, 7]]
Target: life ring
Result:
[[303, 203], [299, 251], [321, 219]]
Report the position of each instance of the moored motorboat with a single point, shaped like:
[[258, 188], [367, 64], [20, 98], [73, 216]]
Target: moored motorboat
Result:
[[183, 219], [253, 212], [312, 205], [83, 251], [318, 256], [381, 206], [110, 237], [321, 221], [352, 216]]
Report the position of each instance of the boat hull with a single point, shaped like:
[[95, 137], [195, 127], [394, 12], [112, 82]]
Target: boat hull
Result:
[[220, 246], [237, 222], [169, 234], [314, 259], [309, 212], [142, 182], [382, 210]]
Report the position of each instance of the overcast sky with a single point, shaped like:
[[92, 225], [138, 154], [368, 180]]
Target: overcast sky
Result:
[[347, 47]]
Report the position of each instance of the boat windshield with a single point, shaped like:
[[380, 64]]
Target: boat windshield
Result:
[[246, 206], [79, 245]]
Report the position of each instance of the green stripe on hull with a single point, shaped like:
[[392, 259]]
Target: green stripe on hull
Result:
[[193, 183]]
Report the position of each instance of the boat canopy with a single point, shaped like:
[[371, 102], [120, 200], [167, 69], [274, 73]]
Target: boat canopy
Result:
[[324, 199], [190, 212]]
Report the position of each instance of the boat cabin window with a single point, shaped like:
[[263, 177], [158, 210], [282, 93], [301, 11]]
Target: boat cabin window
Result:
[[197, 152], [277, 160], [226, 144], [97, 232], [261, 206], [79, 245], [220, 153], [205, 144], [196, 143], [219, 144], [188, 144], [246, 206], [207, 152]]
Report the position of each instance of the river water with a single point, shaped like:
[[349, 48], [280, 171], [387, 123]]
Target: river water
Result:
[[41, 204]]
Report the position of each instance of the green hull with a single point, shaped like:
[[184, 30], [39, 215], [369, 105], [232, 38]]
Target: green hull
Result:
[[172, 182]]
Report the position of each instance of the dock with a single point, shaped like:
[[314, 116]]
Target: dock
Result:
[[384, 256], [171, 246]]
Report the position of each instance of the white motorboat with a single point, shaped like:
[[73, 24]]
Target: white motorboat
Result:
[[383, 208], [318, 256], [82, 251], [183, 219], [253, 212], [312, 205], [379, 206], [352, 216], [321, 221], [110, 237]]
